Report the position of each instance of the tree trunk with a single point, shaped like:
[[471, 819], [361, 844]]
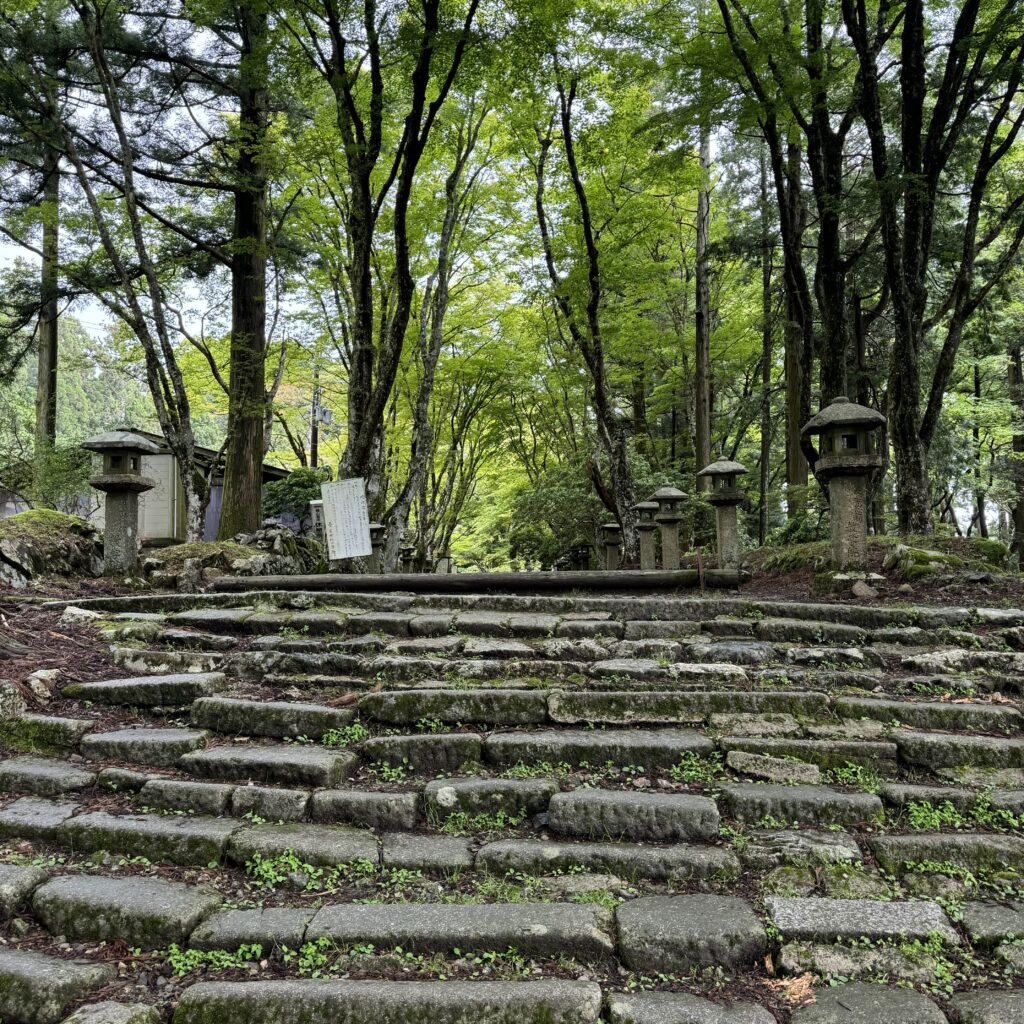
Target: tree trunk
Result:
[[702, 313], [46, 387], [1015, 373], [243, 462], [979, 484], [766, 358]]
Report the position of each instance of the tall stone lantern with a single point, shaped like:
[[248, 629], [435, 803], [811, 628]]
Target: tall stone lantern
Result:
[[612, 536], [378, 538], [646, 511], [726, 494], [668, 517], [847, 455], [122, 481]]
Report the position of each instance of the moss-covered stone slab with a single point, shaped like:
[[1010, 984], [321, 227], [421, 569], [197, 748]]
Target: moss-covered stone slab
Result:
[[429, 854], [947, 750], [182, 795], [430, 753], [973, 852], [899, 794], [401, 1002], [733, 652], [150, 691], [646, 748], [369, 808], [42, 776], [319, 845], [933, 714], [122, 780], [189, 841], [144, 912], [443, 797], [810, 631], [38, 989], [989, 1007], [287, 764], [774, 769], [677, 933], [660, 629], [749, 723], [863, 1003], [681, 1008], [878, 755], [770, 848], [17, 881], [267, 718], [829, 961], [43, 734], [270, 802], [613, 814], [677, 706], [114, 1013], [162, 748], [392, 623], [542, 929], [34, 818], [164, 662], [989, 923], [590, 629], [821, 920], [268, 927], [807, 805], [656, 863], [494, 706]]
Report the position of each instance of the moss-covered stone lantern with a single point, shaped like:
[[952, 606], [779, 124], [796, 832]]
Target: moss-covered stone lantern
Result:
[[377, 539], [612, 537], [668, 517], [646, 511], [726, 494], [122, 481], [848, 454], [580, 556]]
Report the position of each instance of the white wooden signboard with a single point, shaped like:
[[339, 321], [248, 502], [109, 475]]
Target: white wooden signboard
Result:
[[346, 519]]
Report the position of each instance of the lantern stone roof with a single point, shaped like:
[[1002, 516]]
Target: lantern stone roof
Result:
[[666, 493], [646, 504], [841, 412], [723, 467], [120, 440]]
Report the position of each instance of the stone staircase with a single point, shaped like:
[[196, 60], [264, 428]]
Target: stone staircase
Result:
[[299, 807]]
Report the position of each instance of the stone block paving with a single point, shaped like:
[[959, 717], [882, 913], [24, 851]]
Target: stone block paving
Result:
[[498, 809]]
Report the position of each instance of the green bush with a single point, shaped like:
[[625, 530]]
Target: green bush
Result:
[[292, 495]]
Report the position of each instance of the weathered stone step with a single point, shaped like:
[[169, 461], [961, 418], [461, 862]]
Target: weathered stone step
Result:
[[43, 734], [681, 1008], [268, 927], [608, 814], [374, 1002], [429, 753], [933, 714], [180, 840], [682, 706], [288, 764], [160, 747], [42, 776], [657, 863], [268, 718], [150, 691], [17, 881], [144, 912], [859, 1002], [39, 989], [185, 795], [810, 631], [368, 808], [988, 923], [975, 852], [830, 753], [542, 929], [652, 671], [493, 706], [830, 920], [677, 933], [806, 805], [320, 845], [646, 748], [35, 818], [947, 750], [443, 797], [989, 1007], [164, 661]]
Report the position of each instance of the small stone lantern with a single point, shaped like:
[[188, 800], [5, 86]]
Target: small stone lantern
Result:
[[612, 537], [847, 455], [408, 558], [725, 495], [580, 556], [376, 562], [646, 511], [122, 481], [669, 516], [316, 515]]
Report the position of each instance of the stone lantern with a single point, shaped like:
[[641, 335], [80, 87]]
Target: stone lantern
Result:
[[408, 558], [377, 531], [646, 511], [612, 536], [725, 495], [669, 516], [847, 455], [580, 556], [122, 481], [316, 515]]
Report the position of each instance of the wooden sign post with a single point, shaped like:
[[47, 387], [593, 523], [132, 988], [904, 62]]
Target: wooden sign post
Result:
[[346, 519]]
